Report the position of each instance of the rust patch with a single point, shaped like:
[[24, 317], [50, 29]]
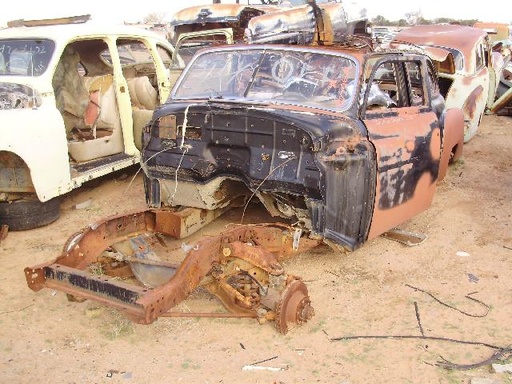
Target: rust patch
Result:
[[472, 102]]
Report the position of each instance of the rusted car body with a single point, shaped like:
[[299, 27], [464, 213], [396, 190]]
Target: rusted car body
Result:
[[74, 96], [298, 129], [297, 21], [469, 70], [325, 22], [496, 31], [213, 16], [340, 144]]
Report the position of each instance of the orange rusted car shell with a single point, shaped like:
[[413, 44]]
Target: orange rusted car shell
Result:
[[344, 141]]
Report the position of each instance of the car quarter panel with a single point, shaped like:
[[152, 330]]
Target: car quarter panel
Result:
[[25, 136]]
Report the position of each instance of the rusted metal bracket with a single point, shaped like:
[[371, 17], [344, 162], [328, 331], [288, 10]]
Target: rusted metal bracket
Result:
[[241, 266]]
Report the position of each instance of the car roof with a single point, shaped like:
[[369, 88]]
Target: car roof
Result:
[[459, 37], [357, 53], [65, 32]]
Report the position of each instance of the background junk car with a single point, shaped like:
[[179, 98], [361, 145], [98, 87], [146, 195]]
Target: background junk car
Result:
[[194, 28], [275, 21], [347, 142], [469, 70], [73, 99]]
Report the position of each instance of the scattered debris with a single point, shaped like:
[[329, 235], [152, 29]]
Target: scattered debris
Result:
[[111, 372], [263, 368], [127, 375], [417, 310], [4, 229], [405, 237], [468, 296], [16, 310], [500, 368], [256, 367], [497, 355], [84, 205], [473, 278], [483, 380], [93, 312]]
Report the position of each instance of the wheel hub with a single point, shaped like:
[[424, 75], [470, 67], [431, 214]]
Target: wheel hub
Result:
[[294, 306]]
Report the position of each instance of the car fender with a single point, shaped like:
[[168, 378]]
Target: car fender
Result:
[[453, 139], [37, 134]]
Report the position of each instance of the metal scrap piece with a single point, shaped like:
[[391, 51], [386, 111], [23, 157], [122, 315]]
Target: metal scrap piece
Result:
[[410, 239]]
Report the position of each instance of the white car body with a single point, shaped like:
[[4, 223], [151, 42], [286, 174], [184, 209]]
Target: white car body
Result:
[[35, 144]]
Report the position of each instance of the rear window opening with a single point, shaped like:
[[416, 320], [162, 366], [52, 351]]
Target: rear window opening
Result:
[[25, 57]]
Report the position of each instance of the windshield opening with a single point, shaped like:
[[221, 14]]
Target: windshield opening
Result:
[[314, 79]]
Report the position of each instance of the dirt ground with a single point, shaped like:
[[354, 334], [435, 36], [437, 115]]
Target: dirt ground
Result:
[[456, 286]]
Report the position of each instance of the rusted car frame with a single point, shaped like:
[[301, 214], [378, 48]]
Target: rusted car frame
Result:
[[242, 267]]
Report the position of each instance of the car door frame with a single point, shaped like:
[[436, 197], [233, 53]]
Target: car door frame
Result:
[[407, 142]]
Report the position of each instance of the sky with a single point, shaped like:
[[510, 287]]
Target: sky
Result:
[[119, 12]]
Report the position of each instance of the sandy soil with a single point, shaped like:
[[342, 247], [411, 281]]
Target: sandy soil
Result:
[[384, 289]]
